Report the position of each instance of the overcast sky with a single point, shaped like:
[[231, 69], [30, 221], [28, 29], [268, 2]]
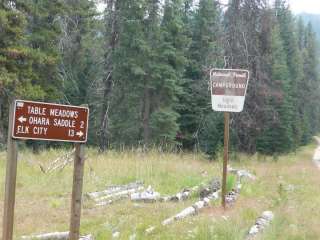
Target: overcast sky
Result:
[[308, 6], [297, 6]]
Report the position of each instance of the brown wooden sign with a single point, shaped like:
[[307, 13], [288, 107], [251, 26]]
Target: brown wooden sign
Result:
[[47, 121], [228, 89]]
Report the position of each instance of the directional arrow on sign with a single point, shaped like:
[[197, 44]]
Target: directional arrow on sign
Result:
[[80, 134], [22, 119]]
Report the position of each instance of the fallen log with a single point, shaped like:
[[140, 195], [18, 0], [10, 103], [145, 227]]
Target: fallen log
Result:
[[150, 230], [114, 193], [192, 210], [59, 163], [109, 199], [212, 187], [180, 196], [148, 195], [55, 236], [49, 236], [261, 223], [114, 189], [241, 173], [231, 197]]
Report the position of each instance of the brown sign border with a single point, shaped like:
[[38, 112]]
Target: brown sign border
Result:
[[229, 70], [49, 139]]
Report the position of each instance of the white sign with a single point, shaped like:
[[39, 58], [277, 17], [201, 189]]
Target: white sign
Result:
[[228, 89]]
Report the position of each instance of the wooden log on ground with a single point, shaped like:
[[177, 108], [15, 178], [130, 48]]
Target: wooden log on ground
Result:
[[150, 230], [60, 162], [55, 236], [180, 196], [241, 173], [211, 188], [261, 223], [49, 236], [148, 195], [192, 210], [117, 196], [114, 189]]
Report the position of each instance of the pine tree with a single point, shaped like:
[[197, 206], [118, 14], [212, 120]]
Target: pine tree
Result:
[[17, 60], [76, 43], [288, 32], [277, 135], [197, 118], [42, 36], [168, 69], [130, 59], [311, 83]]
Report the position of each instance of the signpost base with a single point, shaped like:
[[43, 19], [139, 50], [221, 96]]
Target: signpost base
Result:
[[225, 158], [77, 192]]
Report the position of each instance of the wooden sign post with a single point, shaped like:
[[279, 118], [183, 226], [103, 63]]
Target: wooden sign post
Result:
[[228, 91], [77, 192], [10, 184], [225, 157], [52, 122]]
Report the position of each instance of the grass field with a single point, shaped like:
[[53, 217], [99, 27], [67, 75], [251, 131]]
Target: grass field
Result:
[[288, 186]]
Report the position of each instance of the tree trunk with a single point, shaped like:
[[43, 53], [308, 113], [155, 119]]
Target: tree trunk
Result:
[[2, 136], [104, 130], [112, 40], [146, 116]]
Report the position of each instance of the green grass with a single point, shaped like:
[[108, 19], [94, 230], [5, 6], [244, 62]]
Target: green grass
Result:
[[288, 186]]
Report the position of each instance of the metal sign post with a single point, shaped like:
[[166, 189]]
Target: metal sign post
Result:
[[51, 122], [228, 91]]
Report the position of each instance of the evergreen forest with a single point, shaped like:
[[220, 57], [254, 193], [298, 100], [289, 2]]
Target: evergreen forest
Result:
[[143, 67]]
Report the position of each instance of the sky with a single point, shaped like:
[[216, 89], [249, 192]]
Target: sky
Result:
[[307, 6], [297, 6]]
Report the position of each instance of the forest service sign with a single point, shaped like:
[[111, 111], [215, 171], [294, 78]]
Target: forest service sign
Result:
[[228, 89], [47, 121]]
